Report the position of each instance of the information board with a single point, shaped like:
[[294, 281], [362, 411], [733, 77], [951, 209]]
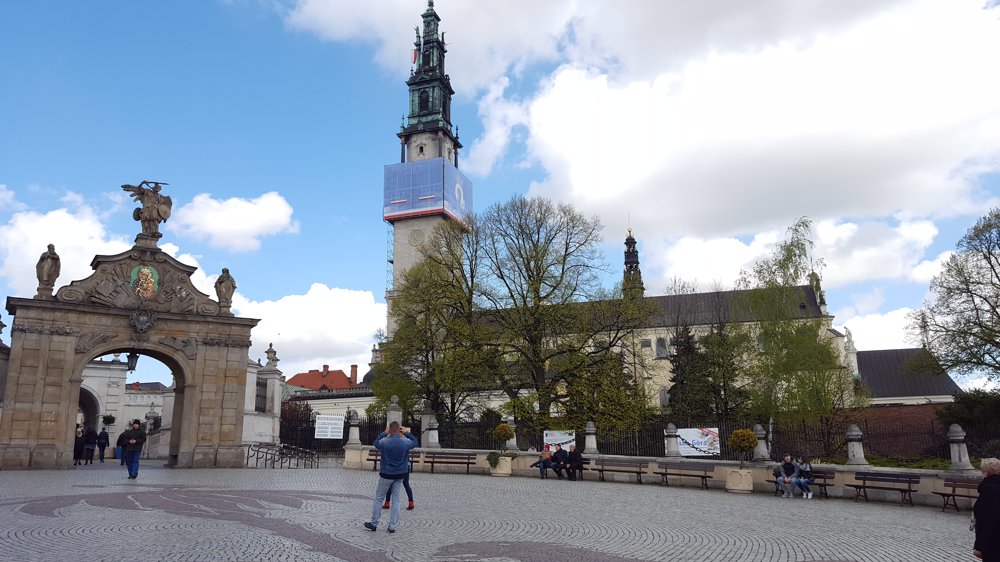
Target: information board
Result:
[[562, 438], [330, 427], [698, 441]]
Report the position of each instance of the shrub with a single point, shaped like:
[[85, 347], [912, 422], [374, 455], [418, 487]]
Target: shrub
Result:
[[503, 433], [743, 442], [108, 419]]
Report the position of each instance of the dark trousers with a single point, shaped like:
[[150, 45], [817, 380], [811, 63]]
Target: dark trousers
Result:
[[88, 453], [572, 471], [406, 486], [132, 460], [100, 449]]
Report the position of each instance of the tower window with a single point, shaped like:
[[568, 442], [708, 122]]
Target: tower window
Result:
[[426, 59], [425, 101], [661, 348], [420, 150]]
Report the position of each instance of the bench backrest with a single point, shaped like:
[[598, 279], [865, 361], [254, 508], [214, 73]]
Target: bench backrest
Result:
[[888, 477], [450, 456], [622, 462], [824, 474], [686, 466], [963, 483]]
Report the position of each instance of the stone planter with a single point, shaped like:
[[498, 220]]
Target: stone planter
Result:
[[739, 480], [503, 467]]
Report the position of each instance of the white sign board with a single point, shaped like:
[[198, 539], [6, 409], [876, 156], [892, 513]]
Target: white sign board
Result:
[[699, 441], [562, 438], [330, 427]]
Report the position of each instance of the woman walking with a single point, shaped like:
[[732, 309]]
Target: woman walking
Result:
[[987, 513]]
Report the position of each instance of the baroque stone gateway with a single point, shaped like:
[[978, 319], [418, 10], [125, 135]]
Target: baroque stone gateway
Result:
[[141, 300]]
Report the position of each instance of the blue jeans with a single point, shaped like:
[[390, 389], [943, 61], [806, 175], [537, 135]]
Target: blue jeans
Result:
[[132, 462], [789, 487], [385, 486], [803, 484], [542, 465]]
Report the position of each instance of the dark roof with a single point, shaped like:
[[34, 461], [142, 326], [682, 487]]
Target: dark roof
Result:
[[721, 306], [891, 373]]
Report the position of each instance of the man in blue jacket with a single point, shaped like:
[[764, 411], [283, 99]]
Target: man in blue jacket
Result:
[[395, 444]]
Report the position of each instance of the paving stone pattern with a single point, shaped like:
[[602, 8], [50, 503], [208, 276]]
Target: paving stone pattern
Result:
[[95, 513]]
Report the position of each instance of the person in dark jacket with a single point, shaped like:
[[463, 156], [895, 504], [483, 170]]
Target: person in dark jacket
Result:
[[787, 475], [135, 438], [89, 445], [78, 447], [559, 461], [395, 444], [120, 447], [987, 513], [574, 463], [103, 440]]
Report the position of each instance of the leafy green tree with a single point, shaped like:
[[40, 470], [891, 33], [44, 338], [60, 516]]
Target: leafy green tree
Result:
[[960, 322], [973, 407]]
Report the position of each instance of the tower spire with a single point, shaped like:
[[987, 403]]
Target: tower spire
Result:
[[632, 280]]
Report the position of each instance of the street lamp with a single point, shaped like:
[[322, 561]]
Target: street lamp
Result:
[[133, 360]]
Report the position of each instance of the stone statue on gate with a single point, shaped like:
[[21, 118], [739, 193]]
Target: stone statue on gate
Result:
[[155, 207], [47, 270], [225, 286]]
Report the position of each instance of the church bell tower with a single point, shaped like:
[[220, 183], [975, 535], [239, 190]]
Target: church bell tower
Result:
[[425, 188]]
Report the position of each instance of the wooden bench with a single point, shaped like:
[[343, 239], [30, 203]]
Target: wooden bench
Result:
[[441, 457], [627, 466], [685, 470], [960, 488], [820, 477], [374, 455], [583, 468], [901, 482]]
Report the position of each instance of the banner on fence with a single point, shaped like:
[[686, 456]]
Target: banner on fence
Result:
[[330, 427], [562, 438], [698, 441]]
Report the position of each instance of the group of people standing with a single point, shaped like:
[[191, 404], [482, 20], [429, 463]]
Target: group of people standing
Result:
[[128, 447], [86, 442], [558, 460]]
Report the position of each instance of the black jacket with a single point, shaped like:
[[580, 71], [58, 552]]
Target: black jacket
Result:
[[90, 438], [575, 459], [103, 439], [987, 510], [140, 437], [559, 457]]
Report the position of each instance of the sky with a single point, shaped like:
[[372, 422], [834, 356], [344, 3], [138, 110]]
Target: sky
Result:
[[706, 127]]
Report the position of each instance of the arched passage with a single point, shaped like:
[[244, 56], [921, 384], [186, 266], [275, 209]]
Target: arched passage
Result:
[[89, 409]]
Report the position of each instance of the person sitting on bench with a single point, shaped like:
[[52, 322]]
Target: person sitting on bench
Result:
[[559, 461], [805, 476], [574, 463], [787, 476], [543, 463]]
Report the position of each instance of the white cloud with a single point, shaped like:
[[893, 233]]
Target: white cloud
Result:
[[235, 224], [881, 331], [924, 271], [8, 200], [856, 252], [500, 117], [75, 230], [710, 263], [984, 383], [324, 326]]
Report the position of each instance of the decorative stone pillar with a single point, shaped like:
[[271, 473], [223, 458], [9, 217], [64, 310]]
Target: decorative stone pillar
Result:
[[959, 450], [394, 412], [432, 435], [670, 441], [760, 452], [353, 430], [590, 439], [512, 442], [855, 451], [426, 417]]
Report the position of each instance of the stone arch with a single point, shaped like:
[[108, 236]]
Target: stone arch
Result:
[[159, 314]]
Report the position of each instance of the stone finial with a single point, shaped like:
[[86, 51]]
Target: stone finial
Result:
[[47, 270], [590, 439], [272, 356], [760, 452], [959, 449], [394, 412], [670, 442], [855, 449]]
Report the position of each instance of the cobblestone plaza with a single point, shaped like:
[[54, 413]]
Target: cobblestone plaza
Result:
[[95, 513]]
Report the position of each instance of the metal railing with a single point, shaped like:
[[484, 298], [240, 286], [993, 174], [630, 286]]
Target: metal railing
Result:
[[281, 456]]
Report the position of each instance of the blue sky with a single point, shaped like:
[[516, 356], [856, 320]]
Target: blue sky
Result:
[[708, 128]]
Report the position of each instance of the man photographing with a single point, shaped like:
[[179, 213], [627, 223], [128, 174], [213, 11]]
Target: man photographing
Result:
[[395, 444]]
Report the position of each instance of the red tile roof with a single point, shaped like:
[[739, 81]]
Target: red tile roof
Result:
[[322, 380]]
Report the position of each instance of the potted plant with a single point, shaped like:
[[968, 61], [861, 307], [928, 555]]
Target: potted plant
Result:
[[500, 461], [740, 480], [108, 419]]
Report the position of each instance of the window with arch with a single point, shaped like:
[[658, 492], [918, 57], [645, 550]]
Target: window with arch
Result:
[[420, 150], [425, 101]]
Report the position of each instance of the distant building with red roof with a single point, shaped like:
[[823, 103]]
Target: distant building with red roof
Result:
[[326, 379]]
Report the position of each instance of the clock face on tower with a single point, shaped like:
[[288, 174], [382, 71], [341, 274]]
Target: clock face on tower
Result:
[[416, 237]]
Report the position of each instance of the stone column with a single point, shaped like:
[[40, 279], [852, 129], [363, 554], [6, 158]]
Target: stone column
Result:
[[432, 435], [590, 439], [353, 430], [512, 442], [959, 450], [760, 452], [855, 451], [426, 416], [670, 441], [394, 412]]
